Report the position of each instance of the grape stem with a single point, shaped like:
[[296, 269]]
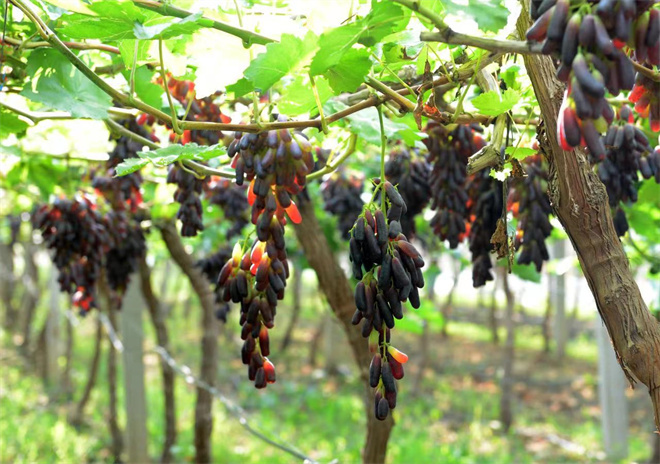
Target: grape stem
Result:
[[383, 143], [175, 125]]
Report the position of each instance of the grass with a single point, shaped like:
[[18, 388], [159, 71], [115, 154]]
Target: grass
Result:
[[453, 418]]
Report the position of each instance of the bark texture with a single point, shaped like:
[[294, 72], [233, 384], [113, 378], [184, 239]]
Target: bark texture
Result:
[[162, 338], [580, 202], [209, 346], [506, 400], [76, 418], [336, 287]]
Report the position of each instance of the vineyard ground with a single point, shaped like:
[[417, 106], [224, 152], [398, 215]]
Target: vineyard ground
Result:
[[322, 415]]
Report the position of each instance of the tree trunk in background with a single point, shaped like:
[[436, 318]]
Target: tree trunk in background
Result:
[[580, 202], [337, 289], [296, 289], [558, 301], [51, 336], [547, 318], [209, 346], [506, 401], [67, 385], [494, 329], [7, 285], [447, 307], [612, 398], [424, 340], [655, 458], [113, 422], [317, 336], [76, 417], [135, 397], [31, 297], [162, 338]]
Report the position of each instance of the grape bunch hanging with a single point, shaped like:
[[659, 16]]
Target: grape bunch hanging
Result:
[[628, 153], [410, 172], [530, 204], [76, 233], [341, 196], [591, 40], [389, 270], [123, 194], [449, 152], [231, 198], [484, 209], [276, 164]]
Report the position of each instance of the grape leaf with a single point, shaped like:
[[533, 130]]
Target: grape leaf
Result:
[[385, 18], [127, 51], [493, 104], [349, 73], [145, 89], [11, 124], [279, 59], [297, 99], [490, 15], [130, 165], [122, 20], [164, 27], [57, 84], [365, 124], [520, 153], [171, 154]]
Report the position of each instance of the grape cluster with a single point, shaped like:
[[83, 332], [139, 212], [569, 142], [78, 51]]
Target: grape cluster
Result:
[[530, 203], [389, 269], [411, 174], [341, 196], [276, 163], [256, 279], [646, 97], [628, 151], [77, 233], [200, 109], [189, 187], [588, 38], [211, 268], [485, 208], [127, 246], [449, 152], [231, 198], [122, 192]]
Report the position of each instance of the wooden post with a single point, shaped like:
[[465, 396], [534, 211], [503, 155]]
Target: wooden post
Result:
[[611, 389], [558, 300], [52, 332], [132, 357]]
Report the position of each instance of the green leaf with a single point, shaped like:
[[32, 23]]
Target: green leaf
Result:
[[127, 51], [57, 84], [130, 165], [10, 123], [145, 89], [279, 59], [385, 18], [349, 73], [365, 124], [114, 21], [520, 153], [165, 27], [509, 75], [490, 15], [296, 97], [122, 20], [526, 272], [240, 87], [170, 154], [493, 104]]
